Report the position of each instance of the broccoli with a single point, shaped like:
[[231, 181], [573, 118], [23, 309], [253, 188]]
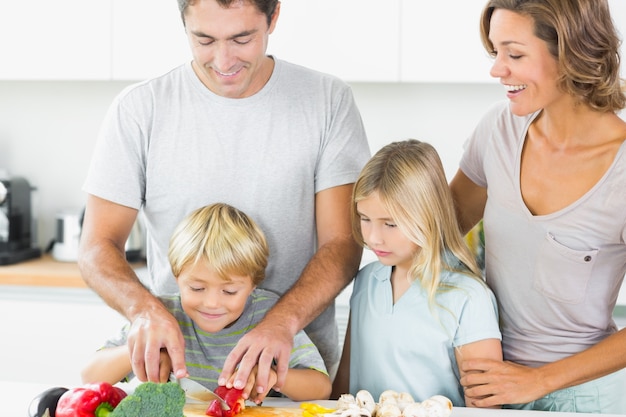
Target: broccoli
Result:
[[152, 399]]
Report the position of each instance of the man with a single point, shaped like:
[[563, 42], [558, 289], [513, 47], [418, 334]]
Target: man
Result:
[[276, 140]]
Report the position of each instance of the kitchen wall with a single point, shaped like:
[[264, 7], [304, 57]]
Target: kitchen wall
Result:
[[48, 129], [47, 133]]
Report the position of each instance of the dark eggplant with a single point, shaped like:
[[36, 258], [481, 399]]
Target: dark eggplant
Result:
[[47, 400]]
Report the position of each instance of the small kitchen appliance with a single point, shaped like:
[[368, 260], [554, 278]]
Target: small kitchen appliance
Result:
[[16, 222], [69, 224], [67, 238]]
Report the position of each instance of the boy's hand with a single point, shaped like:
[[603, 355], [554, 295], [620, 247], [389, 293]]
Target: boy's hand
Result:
[[251, 394], [165, 366]]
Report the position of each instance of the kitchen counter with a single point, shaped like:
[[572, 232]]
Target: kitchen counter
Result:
[[21, 394], [45, 272]]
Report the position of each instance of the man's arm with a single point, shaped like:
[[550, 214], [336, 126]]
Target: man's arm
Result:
[[333, 266], [103, 265]]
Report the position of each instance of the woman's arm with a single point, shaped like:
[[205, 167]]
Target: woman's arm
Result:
[[469, 201], [484, 349], [497, 382]]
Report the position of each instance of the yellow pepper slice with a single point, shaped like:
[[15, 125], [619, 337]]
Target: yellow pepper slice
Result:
[[315, 409]]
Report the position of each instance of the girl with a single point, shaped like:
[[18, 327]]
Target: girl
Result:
[[423, 307]]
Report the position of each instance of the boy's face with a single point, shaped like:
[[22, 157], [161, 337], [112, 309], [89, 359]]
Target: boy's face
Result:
[[210, 301]]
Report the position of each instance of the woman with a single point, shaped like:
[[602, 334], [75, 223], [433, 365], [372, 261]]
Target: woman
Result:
[[547, 173]]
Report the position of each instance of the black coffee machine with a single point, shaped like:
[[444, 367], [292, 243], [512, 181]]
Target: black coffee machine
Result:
[[16, 235]]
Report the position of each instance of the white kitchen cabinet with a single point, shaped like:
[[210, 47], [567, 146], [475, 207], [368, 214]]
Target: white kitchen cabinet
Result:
[[441, 42], [55, 40], [357, 40], [148, 39], [49, 334]]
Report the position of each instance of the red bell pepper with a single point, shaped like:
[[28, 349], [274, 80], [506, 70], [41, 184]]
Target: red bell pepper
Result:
[[233, 398], [91, 400]]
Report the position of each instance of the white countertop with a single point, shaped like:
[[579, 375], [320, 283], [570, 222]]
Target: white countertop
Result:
[[16, 397]]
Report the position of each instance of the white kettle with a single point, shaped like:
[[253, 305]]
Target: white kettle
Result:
[[67, 239]]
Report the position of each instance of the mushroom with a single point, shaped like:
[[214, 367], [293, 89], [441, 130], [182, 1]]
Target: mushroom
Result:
[[445, 401], [388, 409], [365, 400], [414, 410], [404, 399], [436, 408], [345, 400], [388, 395], [353, 412]]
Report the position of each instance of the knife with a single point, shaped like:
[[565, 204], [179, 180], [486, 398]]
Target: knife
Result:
[[198, 392]]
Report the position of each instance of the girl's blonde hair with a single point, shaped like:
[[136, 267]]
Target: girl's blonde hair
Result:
[[229, 240], [411, 184]]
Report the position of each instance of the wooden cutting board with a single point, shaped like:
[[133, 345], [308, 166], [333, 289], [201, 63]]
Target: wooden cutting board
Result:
[[199, 410]]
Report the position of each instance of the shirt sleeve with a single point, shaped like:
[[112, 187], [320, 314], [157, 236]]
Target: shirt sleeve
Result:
[[305, 354], [478, 318], [476, 146], [345, 148]]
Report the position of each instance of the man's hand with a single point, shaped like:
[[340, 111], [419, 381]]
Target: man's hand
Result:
[[150, 334], [257, 351], [489, 383]]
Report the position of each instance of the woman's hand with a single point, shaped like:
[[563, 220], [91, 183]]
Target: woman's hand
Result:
[[488, 383]]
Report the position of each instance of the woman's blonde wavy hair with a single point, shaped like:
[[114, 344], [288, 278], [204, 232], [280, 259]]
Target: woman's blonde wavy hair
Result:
[[411, 184], [230, 241], [581, 36]]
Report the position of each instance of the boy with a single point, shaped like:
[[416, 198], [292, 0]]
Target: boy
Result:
[[218, 256]]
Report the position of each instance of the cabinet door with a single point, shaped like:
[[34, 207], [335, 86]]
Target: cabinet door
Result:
[[441, 42], [357, 40], [148, 39], [61, 40]]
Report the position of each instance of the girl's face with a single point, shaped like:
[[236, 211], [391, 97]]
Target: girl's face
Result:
[[210, 301], [523, 63], [383, 236]]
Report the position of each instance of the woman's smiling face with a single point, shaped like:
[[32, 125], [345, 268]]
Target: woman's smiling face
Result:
[[523, 63]]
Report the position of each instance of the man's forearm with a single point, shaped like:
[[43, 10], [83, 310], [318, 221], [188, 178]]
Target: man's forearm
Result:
[[106, 271], [330, 270]]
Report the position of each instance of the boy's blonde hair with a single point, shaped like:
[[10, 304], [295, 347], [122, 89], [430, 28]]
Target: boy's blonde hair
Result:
[[230, 241], [411, 184]]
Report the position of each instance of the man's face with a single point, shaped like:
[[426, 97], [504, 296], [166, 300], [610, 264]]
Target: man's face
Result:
[[228, 46]]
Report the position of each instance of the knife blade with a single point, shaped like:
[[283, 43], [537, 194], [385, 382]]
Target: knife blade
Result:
[[199, 392]]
